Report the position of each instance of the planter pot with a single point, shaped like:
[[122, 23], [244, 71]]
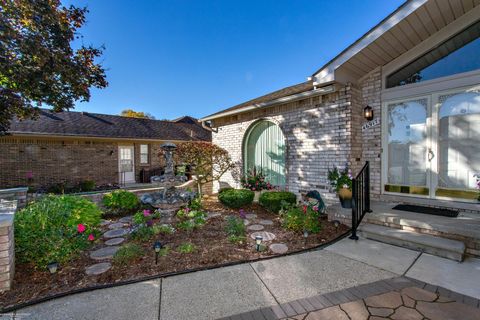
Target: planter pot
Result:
[[345, 196], [257, 195]]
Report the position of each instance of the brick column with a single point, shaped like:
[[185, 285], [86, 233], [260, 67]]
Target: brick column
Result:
[[7, 253]]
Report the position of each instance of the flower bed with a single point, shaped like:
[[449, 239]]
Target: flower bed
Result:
[[205, 241]]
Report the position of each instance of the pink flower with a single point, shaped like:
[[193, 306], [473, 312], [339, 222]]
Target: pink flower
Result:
[[29, 175], [253, 189], [187, 210], [91, 237], [81, 228], [146, 213], [315, 208]]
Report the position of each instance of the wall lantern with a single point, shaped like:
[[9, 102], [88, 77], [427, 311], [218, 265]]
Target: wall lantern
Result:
[[368, 113]]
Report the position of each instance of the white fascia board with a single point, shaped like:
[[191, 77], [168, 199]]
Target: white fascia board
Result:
[[327, 74]]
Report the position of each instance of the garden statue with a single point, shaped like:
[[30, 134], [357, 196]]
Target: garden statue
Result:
[[171, 198]]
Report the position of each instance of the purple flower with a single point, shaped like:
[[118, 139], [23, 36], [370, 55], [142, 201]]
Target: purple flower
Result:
[[146, 213], [149, 223], [242, 214]]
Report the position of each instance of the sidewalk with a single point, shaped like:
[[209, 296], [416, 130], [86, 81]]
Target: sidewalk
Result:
[[251, 287]]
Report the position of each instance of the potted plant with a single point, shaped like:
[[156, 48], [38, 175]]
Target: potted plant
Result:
[[256, 182], [341, 181]]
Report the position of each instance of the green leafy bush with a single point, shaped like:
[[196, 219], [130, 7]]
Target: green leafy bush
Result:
[[128, 253], [221, 190], [163, 229], [54, 228], [87, 185], [120, 202], [272, 201], [143, 233], [190, 219], [301, 218], [236, 198], [235, 229], [186, 247]]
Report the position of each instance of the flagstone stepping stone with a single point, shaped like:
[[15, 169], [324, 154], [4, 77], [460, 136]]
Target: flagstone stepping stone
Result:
[[104, 253], [255, 227], [212, 215], [98, 268], [267, 236], [278, 248], [117, 225], [115, 233], [114, 241], [251, 216], [126, 219], [266, 222], [104, 223], [246, 222]]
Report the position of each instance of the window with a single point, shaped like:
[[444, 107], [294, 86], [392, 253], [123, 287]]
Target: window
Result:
[[144, 154], [456, 55]]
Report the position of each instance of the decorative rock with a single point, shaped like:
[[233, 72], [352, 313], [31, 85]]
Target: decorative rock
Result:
[[126, 219], [104, 253], [266, 222], [251, 216], [255, 227], [104, 222], [115, 233], [267, 236], [98, 268], [278, 248], [117, 225], [114, 241]]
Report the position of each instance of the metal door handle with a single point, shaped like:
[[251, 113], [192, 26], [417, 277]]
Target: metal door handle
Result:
[[431, 155]]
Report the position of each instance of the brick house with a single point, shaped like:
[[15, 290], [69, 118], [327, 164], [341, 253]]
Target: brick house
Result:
[[70, 147], [418, 70]]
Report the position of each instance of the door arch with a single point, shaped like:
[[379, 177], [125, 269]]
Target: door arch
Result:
[[265, 150]]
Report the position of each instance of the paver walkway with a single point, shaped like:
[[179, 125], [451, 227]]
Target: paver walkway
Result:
[[295, 286]]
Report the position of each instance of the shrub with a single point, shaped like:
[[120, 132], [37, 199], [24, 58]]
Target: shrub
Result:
[[128, 253], [164, 228], [120, 202], [143, 233], [191, 219], [236, 198], [301, 218], [142, 217], [54, 228], [272, 201], [221, 190], [186, 247], [87, 185], [235, 229]]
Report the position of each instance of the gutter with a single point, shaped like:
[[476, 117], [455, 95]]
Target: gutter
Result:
[[299, 96]]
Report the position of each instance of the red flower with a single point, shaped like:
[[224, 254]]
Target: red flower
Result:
[[305, 209], [91, 237], [81, 228]]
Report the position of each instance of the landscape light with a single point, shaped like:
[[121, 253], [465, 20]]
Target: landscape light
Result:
[[52, 267], [157, 247], [258, 242]]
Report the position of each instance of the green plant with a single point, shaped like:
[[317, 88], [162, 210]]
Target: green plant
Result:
[[221, 190], [237, 239], [164, 251], [120, 202], [87, 185], [128, 253], [186, 247], [164, 228], [340, 178], [142, 217], [272, 201], [235, 226], [236, 198], [196, 204], [301, 218], [256, 181], [54, 228], [143, 233], [191, 219]]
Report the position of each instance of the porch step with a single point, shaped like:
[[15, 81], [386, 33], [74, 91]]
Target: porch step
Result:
[[446, 248]]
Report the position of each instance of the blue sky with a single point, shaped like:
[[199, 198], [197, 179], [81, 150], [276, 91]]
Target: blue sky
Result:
[[174, 58]]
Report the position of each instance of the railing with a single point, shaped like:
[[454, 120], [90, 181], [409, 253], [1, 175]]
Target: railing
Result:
[[360, 198]]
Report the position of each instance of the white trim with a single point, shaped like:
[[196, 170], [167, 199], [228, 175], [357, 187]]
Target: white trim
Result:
[[327, 73], [320, 91]]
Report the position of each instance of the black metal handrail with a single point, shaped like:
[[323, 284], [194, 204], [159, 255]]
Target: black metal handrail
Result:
[[360, 198]]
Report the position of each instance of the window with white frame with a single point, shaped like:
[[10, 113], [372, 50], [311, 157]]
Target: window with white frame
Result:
[[144, 154]]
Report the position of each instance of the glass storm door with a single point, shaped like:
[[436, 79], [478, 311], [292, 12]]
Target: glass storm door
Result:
[[126, 164], [408, 147], [457, 127]]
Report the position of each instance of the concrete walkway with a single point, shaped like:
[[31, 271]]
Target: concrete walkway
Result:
[[238, 289]]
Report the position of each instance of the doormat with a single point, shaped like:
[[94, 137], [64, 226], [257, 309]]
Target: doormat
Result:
[[427, 210]]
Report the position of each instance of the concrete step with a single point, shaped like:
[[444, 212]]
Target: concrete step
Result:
[[446, 248]]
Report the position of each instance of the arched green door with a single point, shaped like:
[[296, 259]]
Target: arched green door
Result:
[[265, 150]]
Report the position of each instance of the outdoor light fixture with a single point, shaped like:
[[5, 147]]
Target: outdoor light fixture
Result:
[[258, 242], [368, 113], [336, 223], [52, 267], [157, 247], [305, 234]]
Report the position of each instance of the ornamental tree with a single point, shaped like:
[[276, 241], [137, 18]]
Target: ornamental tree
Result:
[[136, 114], [38, 65], [208, 161]]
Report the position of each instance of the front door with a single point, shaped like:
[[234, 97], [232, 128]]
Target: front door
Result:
[[432, 145], [126, 164]]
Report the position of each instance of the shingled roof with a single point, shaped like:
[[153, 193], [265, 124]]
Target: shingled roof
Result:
[[285, 92], [83, 124]]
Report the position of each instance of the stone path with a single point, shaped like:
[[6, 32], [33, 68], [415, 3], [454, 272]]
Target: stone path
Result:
[[98, 268], [114, 241], [255, 227], [267, 236], [116, 233], [104, 253], [258, 226]]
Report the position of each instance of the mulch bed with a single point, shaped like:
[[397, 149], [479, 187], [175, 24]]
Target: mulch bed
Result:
[[212, 248]]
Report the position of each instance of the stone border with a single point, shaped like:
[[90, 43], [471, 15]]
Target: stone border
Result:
[[302, 306]]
